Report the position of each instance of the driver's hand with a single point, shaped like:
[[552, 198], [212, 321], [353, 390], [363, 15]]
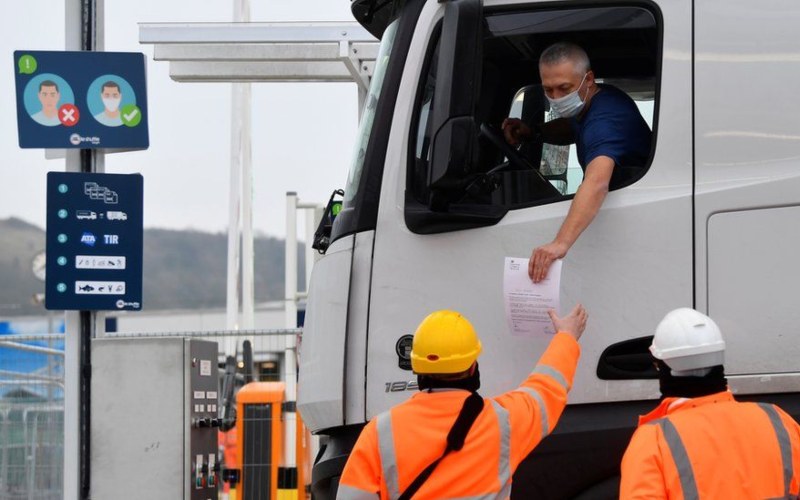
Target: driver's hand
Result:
[[542, 257], [515, 131]]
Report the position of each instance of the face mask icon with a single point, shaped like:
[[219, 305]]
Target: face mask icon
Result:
[[111, 103]]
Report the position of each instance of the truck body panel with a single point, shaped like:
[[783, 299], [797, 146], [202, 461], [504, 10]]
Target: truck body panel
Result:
[[710, 224]]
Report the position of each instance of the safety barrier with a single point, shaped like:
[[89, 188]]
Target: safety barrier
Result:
[[32, 415]]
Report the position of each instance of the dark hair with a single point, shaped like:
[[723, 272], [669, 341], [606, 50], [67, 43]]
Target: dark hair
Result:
[[48, 83], [110, 84]]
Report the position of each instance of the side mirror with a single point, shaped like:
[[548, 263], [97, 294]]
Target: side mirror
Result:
[[322, 236], [628, 360]]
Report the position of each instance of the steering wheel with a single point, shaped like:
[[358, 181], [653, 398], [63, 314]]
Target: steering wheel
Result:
[[543, 188], [496, 137]]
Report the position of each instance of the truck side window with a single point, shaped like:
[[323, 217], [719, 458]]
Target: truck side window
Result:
[[624, 47], [422, 150]]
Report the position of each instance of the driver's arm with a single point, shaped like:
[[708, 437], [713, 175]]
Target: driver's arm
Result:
[[558, 131], [588, 200]]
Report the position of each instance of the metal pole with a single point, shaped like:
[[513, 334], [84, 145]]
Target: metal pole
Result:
[[289, 356], [242, 14], [72, 342], [248, 259], [240, 160], [84, 31], [309, 240], [290, 261], [233, 219], [313, 216], [50, 359]]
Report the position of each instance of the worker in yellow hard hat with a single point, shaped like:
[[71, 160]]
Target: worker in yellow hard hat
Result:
[[447, 441]]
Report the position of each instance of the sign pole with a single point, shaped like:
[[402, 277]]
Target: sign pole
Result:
[[84, 31]]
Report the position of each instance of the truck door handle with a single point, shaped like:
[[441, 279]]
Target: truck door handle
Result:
[[627, 360]]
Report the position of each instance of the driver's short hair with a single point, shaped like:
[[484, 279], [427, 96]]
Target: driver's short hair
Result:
[[566, 51]]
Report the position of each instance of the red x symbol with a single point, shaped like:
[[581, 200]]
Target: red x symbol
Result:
[[69, 115]]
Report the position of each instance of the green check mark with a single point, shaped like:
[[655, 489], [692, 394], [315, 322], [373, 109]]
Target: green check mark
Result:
[[130, 115]]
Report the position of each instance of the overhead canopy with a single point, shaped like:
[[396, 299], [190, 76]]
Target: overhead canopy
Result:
[[264, 52]]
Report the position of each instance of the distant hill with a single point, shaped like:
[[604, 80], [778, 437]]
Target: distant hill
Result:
[[182, 269]]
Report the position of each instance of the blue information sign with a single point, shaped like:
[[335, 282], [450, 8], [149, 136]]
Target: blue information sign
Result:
[[84, 100], [94, 242]]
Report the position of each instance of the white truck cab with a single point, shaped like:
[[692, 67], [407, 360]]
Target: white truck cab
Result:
[[435, 201]]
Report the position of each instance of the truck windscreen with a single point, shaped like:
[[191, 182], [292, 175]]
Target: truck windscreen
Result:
[[369, 112], [362, 192]]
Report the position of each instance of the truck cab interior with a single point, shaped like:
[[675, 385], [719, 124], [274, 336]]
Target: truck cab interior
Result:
[[489, 177]]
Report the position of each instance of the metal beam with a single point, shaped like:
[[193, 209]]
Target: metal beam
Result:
[[252, 32], [321, 71], [245, 52], [264, 52], [353, 65], [298, 52]]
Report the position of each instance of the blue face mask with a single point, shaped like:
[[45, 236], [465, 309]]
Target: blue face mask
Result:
[[569, 105]]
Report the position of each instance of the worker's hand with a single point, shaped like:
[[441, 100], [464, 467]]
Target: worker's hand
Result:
[[515, 131], [573, 324], [542, 257]]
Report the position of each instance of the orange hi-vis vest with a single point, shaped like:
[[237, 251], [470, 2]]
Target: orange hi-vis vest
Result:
[[713, 447], [396, 446]]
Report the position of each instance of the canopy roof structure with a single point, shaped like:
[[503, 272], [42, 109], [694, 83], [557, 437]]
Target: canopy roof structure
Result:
[[264, 52]]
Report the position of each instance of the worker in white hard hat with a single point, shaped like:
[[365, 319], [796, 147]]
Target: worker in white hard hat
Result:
[[700, 443]]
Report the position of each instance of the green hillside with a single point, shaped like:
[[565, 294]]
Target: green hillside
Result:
[[182, 269]]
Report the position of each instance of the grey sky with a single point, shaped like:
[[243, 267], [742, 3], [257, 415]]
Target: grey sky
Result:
[[302, 133]]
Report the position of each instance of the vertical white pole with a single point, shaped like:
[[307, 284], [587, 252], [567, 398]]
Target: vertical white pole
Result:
[[242, 14], [239, 98], [72, 368], [311, 226], [289, 360], [232, 297], [248, 260], [72, 320], [290, 268]]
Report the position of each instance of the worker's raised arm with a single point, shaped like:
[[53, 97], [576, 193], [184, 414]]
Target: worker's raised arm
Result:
[[536, 405]]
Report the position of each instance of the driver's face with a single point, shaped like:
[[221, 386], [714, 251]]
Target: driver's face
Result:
[[561, 79]]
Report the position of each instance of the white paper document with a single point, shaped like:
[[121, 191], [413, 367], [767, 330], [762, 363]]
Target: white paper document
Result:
[[527, 302]]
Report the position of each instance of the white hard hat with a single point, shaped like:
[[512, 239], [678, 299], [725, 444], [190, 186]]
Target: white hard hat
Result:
[[688, 340]]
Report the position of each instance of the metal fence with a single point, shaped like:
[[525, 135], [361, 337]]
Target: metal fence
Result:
[[32, 403], [31, 417]]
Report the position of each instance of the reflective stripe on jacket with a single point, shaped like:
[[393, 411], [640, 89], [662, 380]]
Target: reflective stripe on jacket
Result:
[[713, 447], [397, 445]]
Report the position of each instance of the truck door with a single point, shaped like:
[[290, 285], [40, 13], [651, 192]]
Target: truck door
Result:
[[444, 226], [748, 188]]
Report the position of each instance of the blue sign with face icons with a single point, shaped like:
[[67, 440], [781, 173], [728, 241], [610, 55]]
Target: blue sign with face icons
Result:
[[84, 100], [94, 242]]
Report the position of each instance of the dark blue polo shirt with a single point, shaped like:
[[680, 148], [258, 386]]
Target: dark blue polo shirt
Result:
[[613, 127]]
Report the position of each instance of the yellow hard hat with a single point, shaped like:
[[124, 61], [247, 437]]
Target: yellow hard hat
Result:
[[445, 342]]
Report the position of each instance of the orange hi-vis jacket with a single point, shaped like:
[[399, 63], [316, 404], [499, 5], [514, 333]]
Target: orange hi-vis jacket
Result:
[[713, 447], [396, 446]]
